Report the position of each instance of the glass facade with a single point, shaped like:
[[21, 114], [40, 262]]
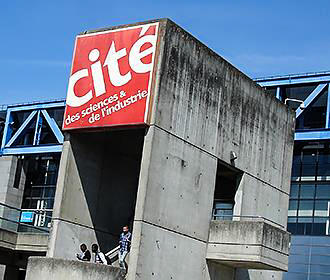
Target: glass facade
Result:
[[30, 129], [309, 203], [40, 186], [310, 189]]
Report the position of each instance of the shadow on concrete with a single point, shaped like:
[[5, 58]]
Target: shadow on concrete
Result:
[[108, 163]]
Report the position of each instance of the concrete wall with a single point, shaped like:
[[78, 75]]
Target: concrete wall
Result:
[[205, 101], [59, 269], [173, 209], [203, 109], [8, 194], [96, 190]]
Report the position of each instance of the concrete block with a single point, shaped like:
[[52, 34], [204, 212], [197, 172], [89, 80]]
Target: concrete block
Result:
[[161, 254], [261, 199], [59, 269], [256, 245]]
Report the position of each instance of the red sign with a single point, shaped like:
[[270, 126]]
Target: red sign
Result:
[[111, 78]]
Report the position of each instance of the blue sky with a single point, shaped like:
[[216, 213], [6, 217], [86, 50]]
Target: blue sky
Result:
[[261, 38]]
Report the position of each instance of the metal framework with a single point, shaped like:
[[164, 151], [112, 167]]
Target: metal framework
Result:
[[38, 111], [322, 79]]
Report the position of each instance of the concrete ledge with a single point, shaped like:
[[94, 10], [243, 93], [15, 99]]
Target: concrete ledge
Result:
[[36, 242], [23, 241], [248, 244], [60, 269]]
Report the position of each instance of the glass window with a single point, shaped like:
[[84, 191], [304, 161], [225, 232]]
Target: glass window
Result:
[[292, 219], [294, 191], [316, 259], [223, 210], [320, 268], [40, 185], [323, 191], [314, 116], [308, 170], [323, 169], [295, 276], [321, 208], [319, 226], [57, 115], [306, 208], [307, 191], [293, 206], [304, 228], [292, 228]]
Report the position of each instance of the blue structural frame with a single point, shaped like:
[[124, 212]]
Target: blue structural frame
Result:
[[322, 79], [40, 112]]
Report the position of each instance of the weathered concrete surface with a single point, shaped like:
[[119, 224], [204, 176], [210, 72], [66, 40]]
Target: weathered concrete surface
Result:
[[260, 199], [248, 244], [204, 100], [60, 269], [176, 185], [8, 194], [33, 242], [203, 110]]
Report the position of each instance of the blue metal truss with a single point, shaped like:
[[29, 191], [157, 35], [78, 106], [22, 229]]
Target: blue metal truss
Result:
[[322, 77], [311, 98], [323, 80], [312, 135], [39, 113]]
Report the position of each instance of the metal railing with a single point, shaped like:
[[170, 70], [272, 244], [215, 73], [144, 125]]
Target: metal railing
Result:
[[246, 218], [113, 254], [23, 220]]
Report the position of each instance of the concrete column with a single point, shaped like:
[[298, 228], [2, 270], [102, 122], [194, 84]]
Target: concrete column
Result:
[[9, 194], [173, 210]]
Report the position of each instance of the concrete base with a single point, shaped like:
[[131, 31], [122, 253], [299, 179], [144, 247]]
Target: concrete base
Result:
[[59, 269]]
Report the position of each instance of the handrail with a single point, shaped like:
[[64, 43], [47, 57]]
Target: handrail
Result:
[[114, 250], [249, 217], [11, 207]]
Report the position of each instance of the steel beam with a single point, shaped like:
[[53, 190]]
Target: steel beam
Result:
[[327, 122], [33, 150], [37, 131], [38, 106], [312, 135], [7, 131], [309, 100], [278, 93], [53, 126], [21, 129], [293, 81]]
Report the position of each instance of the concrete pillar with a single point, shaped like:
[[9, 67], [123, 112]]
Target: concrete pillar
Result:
[[173, 210], [9, 194]]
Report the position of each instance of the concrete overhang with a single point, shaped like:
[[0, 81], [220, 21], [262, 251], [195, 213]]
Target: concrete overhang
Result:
[[32, 242], [248, 244]]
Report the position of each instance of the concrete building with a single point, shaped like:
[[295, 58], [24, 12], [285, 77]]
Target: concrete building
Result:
[[203, 178]]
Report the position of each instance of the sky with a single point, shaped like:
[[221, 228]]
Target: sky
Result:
[[261, 38]]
